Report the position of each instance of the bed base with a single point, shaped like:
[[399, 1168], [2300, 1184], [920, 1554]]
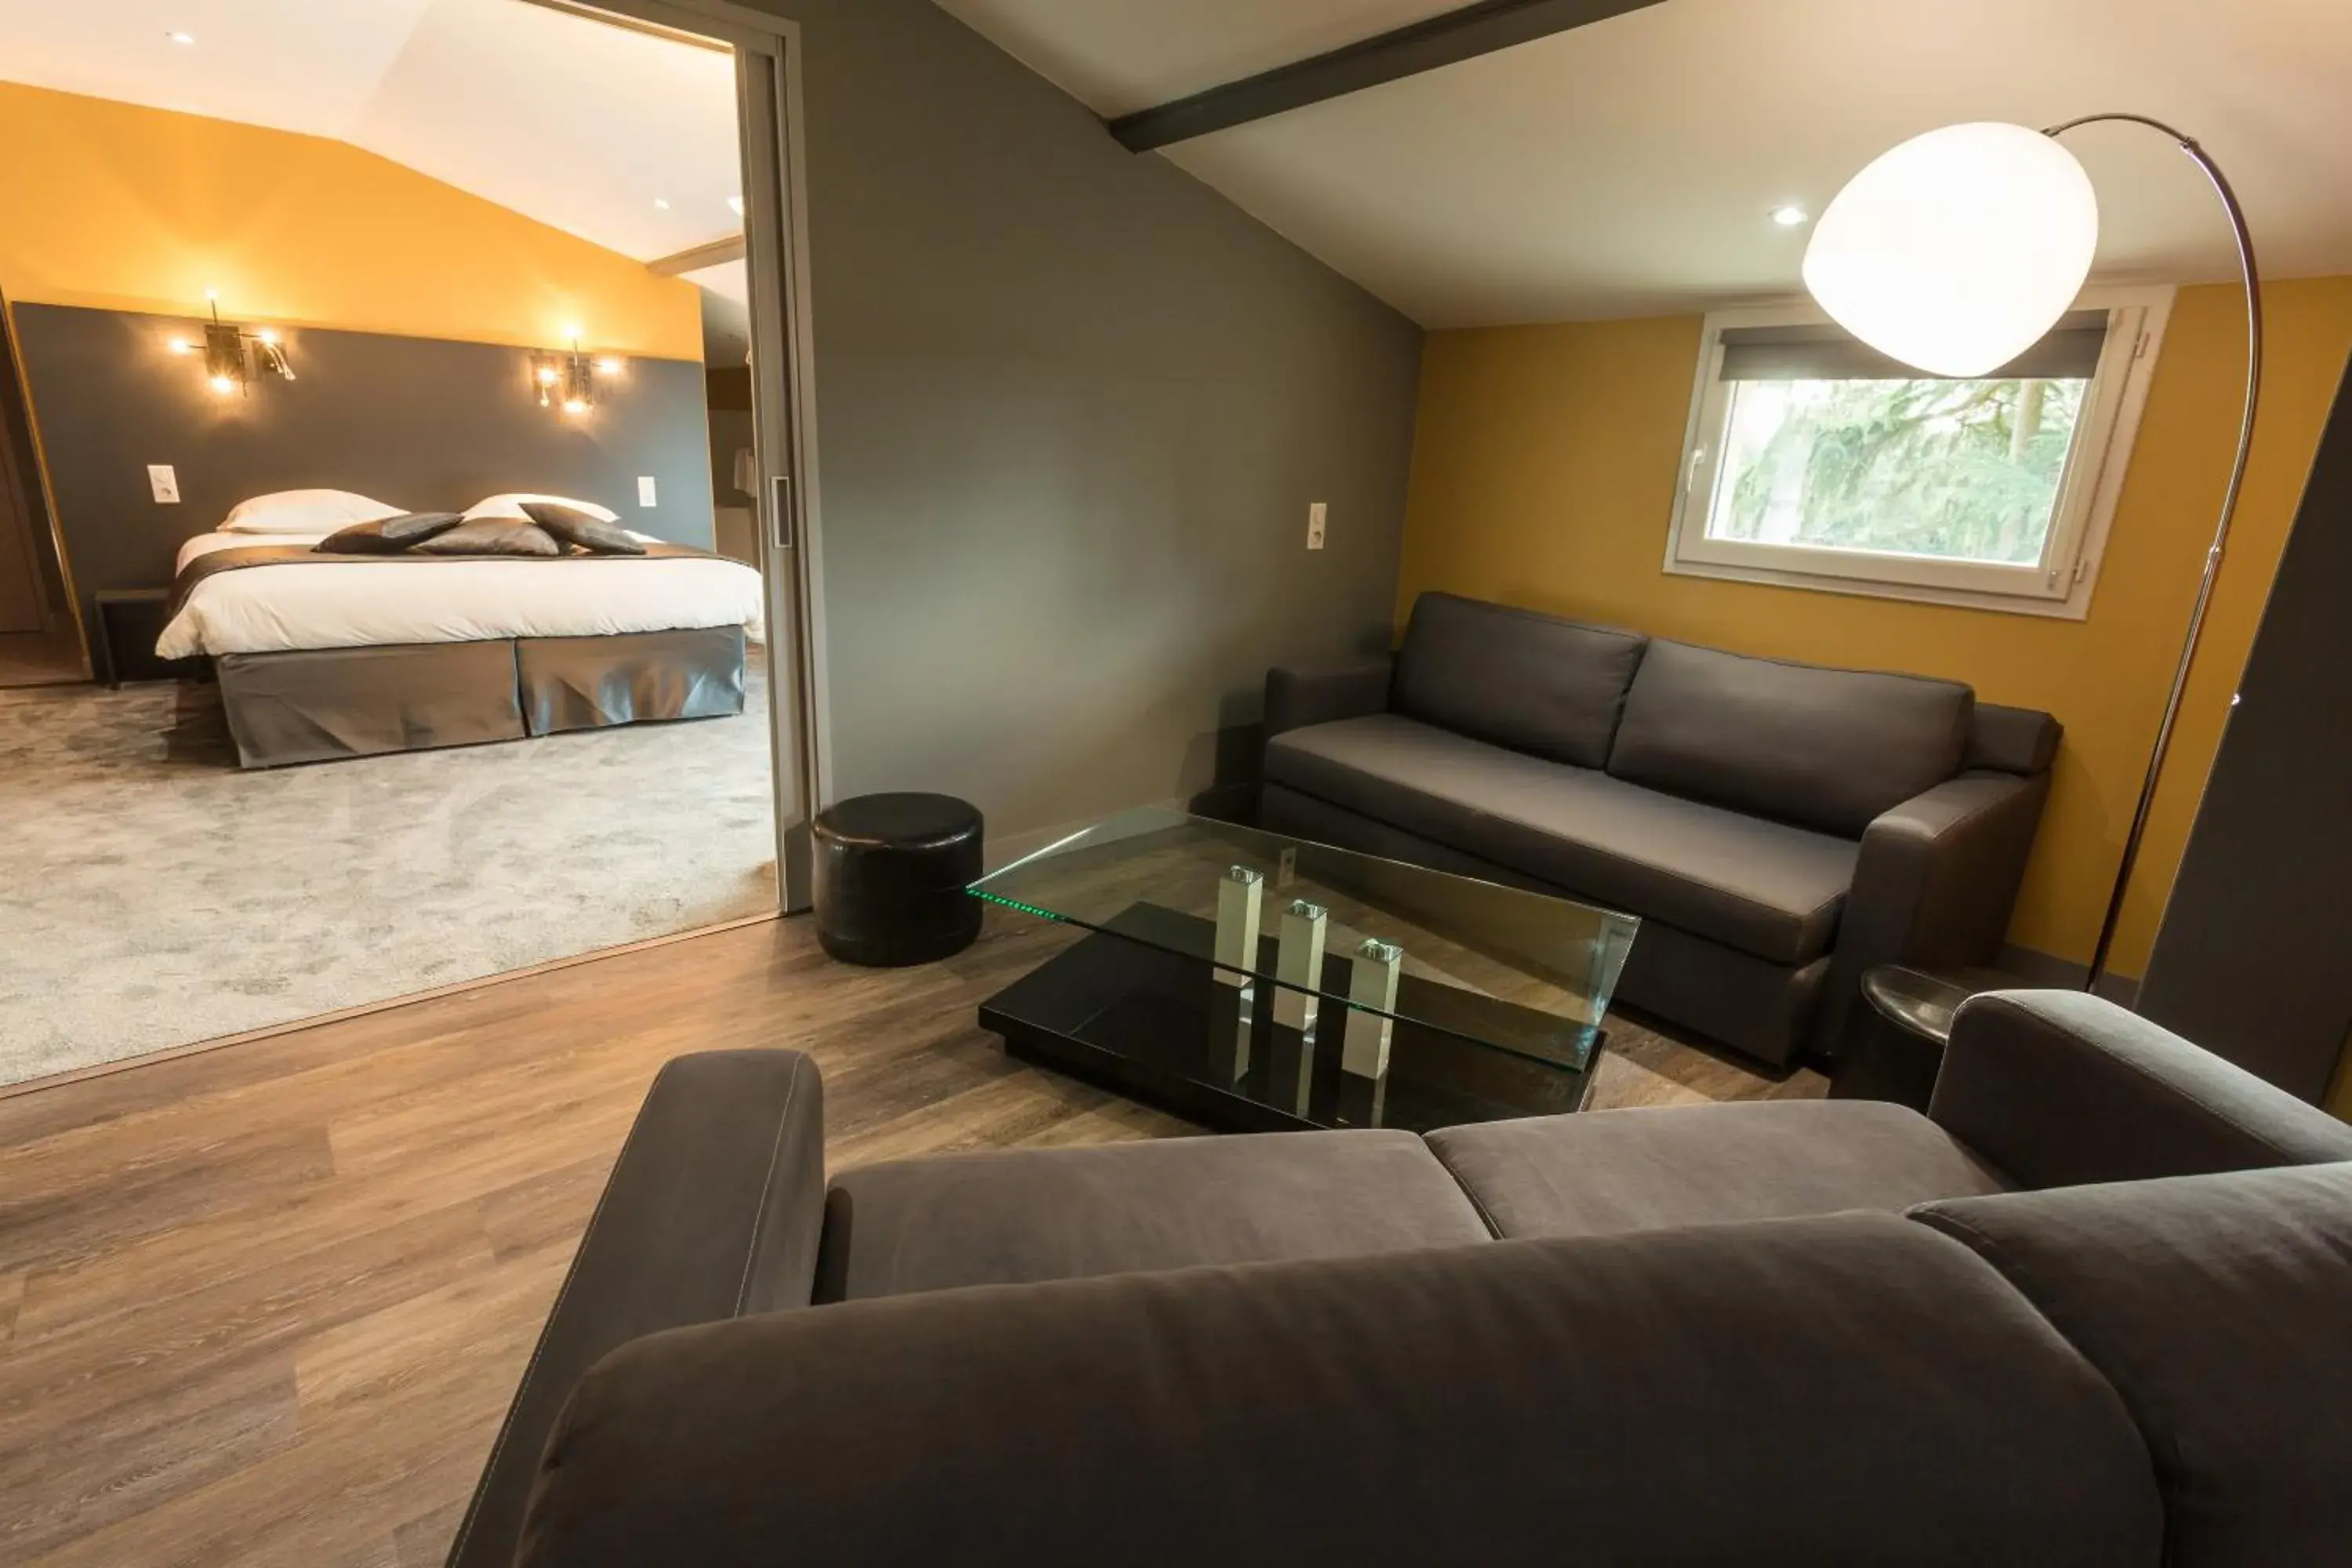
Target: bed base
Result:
[[316, 705]]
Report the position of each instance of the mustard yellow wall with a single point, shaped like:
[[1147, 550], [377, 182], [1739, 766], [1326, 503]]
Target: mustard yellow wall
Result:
[[1543, 475], [115, 207]]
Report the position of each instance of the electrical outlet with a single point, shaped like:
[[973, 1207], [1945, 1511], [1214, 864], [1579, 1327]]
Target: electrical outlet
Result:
[[645, 489], [1316, 513], [164, 483]]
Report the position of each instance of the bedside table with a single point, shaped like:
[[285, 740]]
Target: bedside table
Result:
[[128, 622]]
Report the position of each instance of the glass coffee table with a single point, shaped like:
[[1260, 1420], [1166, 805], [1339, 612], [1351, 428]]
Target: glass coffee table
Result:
[[1254, 982]]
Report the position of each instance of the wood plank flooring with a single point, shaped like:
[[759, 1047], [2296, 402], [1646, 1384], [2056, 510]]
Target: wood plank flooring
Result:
[[265, 1305]]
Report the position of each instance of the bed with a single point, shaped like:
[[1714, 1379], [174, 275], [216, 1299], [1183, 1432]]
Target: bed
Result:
[[323, 657]]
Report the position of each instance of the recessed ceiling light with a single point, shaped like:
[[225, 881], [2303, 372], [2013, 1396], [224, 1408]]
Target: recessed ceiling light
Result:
[[735, 203], [1790, 216], [662, 203], [184, 38]]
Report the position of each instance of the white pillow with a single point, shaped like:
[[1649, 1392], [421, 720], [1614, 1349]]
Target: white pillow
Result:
[[317, 512], [511, 505]]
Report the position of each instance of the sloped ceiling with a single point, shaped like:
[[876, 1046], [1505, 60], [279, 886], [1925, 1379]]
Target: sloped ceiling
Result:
[[1628, 167], [578, 124]]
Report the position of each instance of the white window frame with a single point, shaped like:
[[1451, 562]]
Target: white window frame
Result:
[[2060, 585]]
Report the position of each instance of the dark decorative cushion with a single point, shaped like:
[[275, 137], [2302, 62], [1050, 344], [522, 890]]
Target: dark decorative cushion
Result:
[[491, 536], [569, 525], [388, 536]]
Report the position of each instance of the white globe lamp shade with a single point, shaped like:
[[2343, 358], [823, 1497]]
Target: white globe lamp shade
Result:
[[1957, 251]]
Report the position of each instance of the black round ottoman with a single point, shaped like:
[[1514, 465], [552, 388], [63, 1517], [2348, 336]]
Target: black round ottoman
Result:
[[890, 877]]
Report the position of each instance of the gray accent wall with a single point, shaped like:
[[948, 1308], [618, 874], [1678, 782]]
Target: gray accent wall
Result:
[[1072, 406], [422, 423]]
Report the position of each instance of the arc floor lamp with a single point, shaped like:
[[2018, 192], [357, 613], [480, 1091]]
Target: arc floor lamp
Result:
[[1955, 252]]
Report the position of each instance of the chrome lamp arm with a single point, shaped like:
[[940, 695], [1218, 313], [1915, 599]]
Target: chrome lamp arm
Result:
[[2132, 840]]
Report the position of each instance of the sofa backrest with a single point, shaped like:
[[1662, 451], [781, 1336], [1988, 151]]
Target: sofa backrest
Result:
[[2217, 1306], [1514, 677], [1849, 1389], [1827, 748]]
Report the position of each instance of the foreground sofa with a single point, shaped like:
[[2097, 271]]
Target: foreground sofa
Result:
[[1779, 827], [1822, 1332]]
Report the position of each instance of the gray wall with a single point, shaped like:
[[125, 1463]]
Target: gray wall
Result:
[[1072, 406], [422, 423]]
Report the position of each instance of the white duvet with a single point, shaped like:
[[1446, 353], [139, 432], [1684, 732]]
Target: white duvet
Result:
[[330, 604]]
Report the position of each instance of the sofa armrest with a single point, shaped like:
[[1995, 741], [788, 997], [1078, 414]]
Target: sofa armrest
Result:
[[1938, 874], [713, 1211], [2058, 1089], [1297, 698], [1934, 884]]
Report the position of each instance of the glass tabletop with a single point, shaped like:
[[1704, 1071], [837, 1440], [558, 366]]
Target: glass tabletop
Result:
[[1437, 983]]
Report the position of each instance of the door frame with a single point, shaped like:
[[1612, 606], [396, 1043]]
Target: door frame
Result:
[[25, 473], [769, 100]]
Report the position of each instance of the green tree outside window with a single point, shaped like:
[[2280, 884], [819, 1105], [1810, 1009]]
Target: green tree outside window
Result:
[[1952, 469]]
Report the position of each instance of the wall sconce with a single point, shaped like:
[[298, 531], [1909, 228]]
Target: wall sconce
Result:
[[567, 380], [232, 356]]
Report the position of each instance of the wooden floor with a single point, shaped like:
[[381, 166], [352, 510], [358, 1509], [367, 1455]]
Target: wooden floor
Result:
[[265, 1304]]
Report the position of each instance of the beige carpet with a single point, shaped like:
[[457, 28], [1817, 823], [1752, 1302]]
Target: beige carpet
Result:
[[151, 894]]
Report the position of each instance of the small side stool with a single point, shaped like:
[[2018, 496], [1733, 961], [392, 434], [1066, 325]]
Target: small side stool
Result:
[[890, 872], [1898, 1044]]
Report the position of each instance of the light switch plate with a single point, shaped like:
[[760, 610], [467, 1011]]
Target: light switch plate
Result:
[[645, 489], [164, 483], [1316, 514]]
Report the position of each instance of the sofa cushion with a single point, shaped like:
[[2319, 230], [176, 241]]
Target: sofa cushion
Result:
[[1819, 1391], [1656, 1166], [1532, 682], [1764, 888], [1829, 749], [1015, 1217], [2215, 1305]]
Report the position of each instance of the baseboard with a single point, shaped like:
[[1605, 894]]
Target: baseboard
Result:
[[2047, 969], [1000, 852]]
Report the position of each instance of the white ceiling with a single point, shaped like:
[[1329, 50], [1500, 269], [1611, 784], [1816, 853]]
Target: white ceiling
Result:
[[578, 124], [1627, 168]]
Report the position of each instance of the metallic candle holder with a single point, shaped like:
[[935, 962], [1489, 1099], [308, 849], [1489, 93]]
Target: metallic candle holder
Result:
[[1298, 966], [1298, 969], [1239, 895], [1364, 1046], [1372, 999]]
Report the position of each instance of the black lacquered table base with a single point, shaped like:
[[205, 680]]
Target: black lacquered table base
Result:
[[1161, 1027]]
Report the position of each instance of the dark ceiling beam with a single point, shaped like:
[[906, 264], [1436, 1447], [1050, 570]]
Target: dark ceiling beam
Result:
[[1410, 50]]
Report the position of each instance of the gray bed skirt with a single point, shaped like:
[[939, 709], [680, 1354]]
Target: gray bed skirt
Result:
[[316, 705]]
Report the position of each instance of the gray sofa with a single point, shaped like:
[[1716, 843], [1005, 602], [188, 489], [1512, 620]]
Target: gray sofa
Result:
[[1778, 827], [2034, 1326]]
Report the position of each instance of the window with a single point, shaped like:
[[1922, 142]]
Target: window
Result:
[[1816, 461]]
